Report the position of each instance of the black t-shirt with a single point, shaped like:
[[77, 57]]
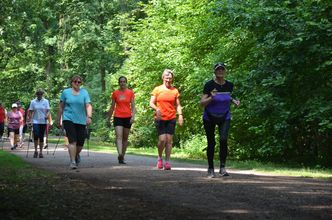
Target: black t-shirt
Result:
[[211, 85]]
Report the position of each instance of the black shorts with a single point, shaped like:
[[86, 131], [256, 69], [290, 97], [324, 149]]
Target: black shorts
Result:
[[39, 131], [76, 133], [2, 129], [15, 130], [124, 122], [165, 126]]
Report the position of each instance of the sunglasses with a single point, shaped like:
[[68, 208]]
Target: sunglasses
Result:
[[77, 82]]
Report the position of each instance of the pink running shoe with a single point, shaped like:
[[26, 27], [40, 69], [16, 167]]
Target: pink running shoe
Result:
[[167, 166], [160, 164]]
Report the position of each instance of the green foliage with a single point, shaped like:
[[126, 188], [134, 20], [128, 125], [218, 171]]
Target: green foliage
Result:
[[278, 55], [195, 147]]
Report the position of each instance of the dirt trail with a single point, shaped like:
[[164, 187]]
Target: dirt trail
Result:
[[138, 190]]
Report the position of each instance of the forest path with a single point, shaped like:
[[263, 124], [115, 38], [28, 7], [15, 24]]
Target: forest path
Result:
[[138, 190]]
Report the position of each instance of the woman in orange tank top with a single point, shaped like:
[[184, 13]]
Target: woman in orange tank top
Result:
[[123, 107], [165, 100]]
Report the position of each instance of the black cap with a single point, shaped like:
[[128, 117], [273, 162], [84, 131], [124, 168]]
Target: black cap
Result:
[[39, 92], [219, 65]]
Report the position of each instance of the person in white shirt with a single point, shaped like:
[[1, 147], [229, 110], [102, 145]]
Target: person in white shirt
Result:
[[38, 115]]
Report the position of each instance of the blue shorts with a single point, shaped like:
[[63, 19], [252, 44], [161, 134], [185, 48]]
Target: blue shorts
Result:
[[38, 132]]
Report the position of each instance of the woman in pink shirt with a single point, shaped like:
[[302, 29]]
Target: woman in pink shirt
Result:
[[14, 119]]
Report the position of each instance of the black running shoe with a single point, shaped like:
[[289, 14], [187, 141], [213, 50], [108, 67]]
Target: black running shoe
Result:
[[223, 172], [78, 159], [121, 159], [211, 173]]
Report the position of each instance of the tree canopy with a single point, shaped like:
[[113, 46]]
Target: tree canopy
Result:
[[278, 55]]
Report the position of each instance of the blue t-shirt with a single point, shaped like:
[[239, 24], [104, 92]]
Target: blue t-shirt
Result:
[[221, 101], [75, 105], [40, 109]]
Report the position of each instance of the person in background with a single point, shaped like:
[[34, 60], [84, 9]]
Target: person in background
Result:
[[216, 100], [21, 131], [165, 100], [75, 111], [123, 106], [3, 117], [26, 127], [14, 119], [38, 113]]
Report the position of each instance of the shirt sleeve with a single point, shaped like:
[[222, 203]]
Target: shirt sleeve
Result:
[[63, 97], [31, 106], [154, 92], [48, 105], [87, 97], [206, 89]]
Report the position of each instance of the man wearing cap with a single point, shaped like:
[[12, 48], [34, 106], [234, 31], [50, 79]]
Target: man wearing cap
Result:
[[3, 114], [216, 100], [38, 115], [14, 118]]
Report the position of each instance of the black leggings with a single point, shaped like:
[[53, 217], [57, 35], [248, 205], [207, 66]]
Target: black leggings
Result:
[[223, 128]]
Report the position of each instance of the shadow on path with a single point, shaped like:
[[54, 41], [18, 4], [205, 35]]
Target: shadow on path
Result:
[[185, 192]]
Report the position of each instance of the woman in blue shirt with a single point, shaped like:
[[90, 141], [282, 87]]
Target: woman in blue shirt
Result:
[[75, 110], [216, 100]]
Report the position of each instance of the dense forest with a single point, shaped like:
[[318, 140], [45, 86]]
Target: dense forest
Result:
[[278, 55]]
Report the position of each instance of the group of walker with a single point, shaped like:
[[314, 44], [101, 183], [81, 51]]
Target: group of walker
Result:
[[75, 113], [37, 117]]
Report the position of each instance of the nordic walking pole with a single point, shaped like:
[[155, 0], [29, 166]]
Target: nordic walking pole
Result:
[[29, 141], [48, 127], [57, 143], [46, 144]]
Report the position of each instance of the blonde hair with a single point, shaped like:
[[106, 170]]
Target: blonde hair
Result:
[[166, 72]]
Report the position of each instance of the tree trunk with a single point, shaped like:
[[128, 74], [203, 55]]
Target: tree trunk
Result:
[[102, 78]]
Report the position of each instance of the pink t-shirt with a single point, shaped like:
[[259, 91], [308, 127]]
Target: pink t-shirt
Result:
[[14, 119]]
